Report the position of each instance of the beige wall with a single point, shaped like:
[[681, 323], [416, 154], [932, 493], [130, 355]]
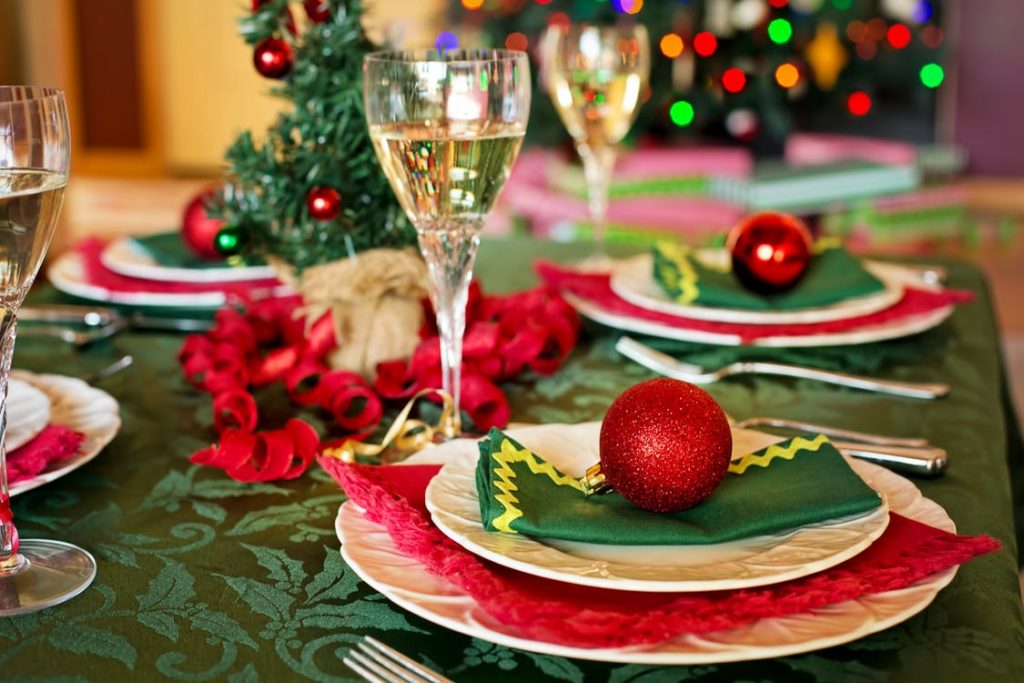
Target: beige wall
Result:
[[209, 89]]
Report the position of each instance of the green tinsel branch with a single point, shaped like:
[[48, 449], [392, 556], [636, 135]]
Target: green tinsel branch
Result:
[[321, 142]]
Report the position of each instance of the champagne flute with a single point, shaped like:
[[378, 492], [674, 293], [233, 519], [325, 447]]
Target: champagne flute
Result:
[[597, 76], [447, 127], [34, 158]]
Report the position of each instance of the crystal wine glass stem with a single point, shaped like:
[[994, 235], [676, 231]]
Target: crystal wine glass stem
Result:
[[8, 330], [598, 164], [450, 251]]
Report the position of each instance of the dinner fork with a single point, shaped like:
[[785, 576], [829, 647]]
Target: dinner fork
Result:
[[667, 365], [378, 663]]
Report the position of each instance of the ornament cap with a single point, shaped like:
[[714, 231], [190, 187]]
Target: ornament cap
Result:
[[593, 481]]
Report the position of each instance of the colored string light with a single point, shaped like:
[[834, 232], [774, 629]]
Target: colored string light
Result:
[[898, 36], [472, 4], [734, 80], [446, 40], [780, 31], [626, 6], [705, 44], [787, 75], [517, 41], [671, 45], [681, 112], [858, 103], [932, 75]]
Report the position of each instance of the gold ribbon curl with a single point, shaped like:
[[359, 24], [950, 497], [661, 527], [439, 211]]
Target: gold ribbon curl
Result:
[[406, 435]]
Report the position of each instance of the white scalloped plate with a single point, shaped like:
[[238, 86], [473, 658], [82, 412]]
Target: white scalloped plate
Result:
[[632, 280], [28, 413], [78, 406], [369, 551], [454, 507], [127, 257]]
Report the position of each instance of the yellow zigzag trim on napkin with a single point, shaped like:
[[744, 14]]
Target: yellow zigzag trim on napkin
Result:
[[777, 451], [505, 457], [825, 243], [683, 277]]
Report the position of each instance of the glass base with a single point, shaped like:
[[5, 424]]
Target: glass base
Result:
[[47, 574]]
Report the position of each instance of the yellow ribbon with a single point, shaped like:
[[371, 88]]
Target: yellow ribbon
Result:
[[405, 436]]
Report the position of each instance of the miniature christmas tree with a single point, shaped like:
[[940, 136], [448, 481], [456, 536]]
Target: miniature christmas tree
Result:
[[311, 191]]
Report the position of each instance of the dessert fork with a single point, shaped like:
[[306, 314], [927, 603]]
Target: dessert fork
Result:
[[378, 663]]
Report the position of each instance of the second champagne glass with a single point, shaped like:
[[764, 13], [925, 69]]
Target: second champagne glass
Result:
[[597, 76], [447, 128]]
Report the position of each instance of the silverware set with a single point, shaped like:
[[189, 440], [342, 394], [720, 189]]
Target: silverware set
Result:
[[84, 325], [376, 662]]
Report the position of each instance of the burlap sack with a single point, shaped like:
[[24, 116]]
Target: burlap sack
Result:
[[375, 300]]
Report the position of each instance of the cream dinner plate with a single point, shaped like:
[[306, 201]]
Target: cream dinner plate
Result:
[[632, 280], [28, 413], [452, 500], [78, 406], [369, 551], [127, 257]]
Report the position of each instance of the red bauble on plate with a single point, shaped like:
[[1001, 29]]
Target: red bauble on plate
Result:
[[199, 229], [770, 252], [273, 58], [324, 203], [665, 445]]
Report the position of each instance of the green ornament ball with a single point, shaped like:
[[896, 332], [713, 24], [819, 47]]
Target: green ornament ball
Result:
[[228, 241]]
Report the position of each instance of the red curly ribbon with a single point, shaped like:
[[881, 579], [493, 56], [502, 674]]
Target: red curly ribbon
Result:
[[269, 343]]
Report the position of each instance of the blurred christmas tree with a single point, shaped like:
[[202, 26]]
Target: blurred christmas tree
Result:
[[310, 190], [752, 70]]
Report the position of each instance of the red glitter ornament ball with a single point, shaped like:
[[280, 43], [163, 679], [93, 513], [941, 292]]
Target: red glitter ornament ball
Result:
[[198, 229], [273, 58], [770, 252], [324, 203], [665, 445]]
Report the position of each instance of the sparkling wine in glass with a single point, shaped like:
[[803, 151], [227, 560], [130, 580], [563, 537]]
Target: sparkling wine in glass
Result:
[[34, 158], [597, 76], [447, 128]]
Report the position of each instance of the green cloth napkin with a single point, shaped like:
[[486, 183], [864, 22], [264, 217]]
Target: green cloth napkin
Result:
[[833, 275], [788, 485], [167, 249]]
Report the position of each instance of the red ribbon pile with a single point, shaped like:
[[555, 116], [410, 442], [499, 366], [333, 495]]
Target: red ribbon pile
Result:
[[505, 336]]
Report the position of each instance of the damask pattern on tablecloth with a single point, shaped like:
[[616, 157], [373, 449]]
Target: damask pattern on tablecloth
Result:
[[202, 578]]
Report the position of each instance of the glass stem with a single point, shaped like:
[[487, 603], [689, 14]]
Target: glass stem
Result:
[[450, 251], [598, 165], [8, 534]]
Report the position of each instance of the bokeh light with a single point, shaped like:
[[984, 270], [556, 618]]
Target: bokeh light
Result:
[[472, 4], [446, 40], [681, 112], [932, 75], [671, 45], [627, 6], [517, 41], [898, 36], [734, 80], [787, 75], [705, 44], [858, 103], [780, 31]]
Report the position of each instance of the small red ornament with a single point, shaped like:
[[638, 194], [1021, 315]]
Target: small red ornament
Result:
[[324, 203], [198, 229], [273, 58], [318, 11], [665, 445], [770, 252]]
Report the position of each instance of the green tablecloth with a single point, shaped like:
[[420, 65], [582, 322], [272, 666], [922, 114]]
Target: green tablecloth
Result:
[[201, 578]]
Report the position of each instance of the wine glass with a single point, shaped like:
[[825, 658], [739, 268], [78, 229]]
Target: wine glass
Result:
[[597, 76], [34, 157], [447, 127]]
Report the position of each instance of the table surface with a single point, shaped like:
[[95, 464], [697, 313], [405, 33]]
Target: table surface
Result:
[[202, 578]]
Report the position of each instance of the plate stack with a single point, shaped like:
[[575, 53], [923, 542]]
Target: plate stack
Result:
[[870, 301], [157, 271], [55, 424], [515, 589]]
